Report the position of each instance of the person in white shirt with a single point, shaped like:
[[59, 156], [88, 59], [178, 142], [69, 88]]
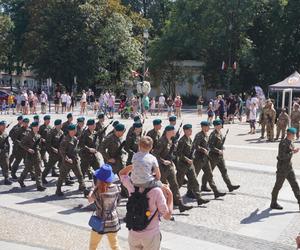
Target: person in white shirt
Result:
[[69, 102], [161, 103], [63, 102], [44, 101], [83, 103]]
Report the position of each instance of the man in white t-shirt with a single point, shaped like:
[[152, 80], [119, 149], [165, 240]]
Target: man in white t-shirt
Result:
[[63, 102], [161, 103], [44, 100]]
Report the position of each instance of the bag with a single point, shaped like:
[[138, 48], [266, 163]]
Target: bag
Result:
[[137, 215]]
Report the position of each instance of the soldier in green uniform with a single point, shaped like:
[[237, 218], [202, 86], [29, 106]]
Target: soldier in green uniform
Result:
[[31, 145], [132, 141], [36, 118], [12, 135], [4, 151], [100, 128], [115, 123], [282, 124], [88, 149], [136, 119], [270, 114], [164, 152], [263, 120], [53, 141], [79, 127], [285, 168], [185, 165], [201, 160], [215, 143], [20, 153], [111, 148], [172, 122], [70, 160], [66, 124], [155, 132], [43, 131]]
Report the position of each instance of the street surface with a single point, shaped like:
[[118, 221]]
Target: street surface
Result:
[[241, 220]]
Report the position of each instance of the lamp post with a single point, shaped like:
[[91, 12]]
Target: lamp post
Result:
[[146, 37]]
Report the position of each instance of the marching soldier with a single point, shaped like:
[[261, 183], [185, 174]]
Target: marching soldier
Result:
[[4, 152], [201, 160], [282, 123], [70, 160], [136, 119], [44, 131], [53, 141], [12, 135], [79, 127], [295, 119], [270, 121], [31, 145], [20, 153], [111, 148], [215, 143], [285, 168], [155, 132], [100, 128], [185, 164], [115, 123], [164, 153], [132, 141], [88, 148], [36, 118], [172, 122], [66, 124]]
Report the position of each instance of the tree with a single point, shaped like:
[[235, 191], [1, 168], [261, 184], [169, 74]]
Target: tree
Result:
[[6, 26]]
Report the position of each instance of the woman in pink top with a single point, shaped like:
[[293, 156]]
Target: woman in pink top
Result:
[[178, 105], [160, 199]]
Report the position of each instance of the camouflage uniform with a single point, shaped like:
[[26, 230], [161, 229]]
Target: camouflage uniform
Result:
[[295, 121], [32, 161], [155, 135], [4, 152], [270, 116], [285, 170], [44, 131], [12, 135], [281, 125]]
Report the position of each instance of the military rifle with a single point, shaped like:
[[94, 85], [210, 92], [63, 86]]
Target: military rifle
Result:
[[8, 124], [103, 131], [224, 138], [119, 150], [178, 132]]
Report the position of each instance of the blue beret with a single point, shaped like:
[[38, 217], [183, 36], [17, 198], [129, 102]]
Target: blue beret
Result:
[[69, 115], [187, 126], [217, 122], [20, 118], [90, 122], [169, 128], [57, 122], [101, 116], [26, 120], [71, 127], [2, 123], [157, 122], [204, 123], [137, 125], [115, 123], [120, 127], [137, 118], [172, 118], [47, 117], [34, 124], [36, 117], [292, 131], [80, 119]]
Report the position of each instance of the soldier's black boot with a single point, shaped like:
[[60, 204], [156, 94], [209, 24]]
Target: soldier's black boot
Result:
[[22, 185], [44, 181], [275, 205], [233, 187], [59, 192], [13, 175], [54, 173], [41, 188], [182, 208], [219, 194], [7, 181], [205, 189], [190, 194], [201, 201]]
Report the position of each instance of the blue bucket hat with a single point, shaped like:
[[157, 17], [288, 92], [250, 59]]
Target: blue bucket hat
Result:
[[105, 174]]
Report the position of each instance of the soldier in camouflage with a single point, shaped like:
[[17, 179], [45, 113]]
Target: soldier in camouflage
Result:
[[282, 124], [155, 132], [12, 135], [4, 152], [66, 124], [132, 141]]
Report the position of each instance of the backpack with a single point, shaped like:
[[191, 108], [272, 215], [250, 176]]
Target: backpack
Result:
[[137, 215]]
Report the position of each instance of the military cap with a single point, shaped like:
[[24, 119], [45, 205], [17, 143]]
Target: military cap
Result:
[[36, 117], [157, 122], [20, 117], [34, 124], [292, 131], [26, 120], [172, 118], [2, 123], [169, 128], [80, 119], [57, 122], [137, 118], [120, 127], [47, 117], [90, 122], [69, 115], [101, 116], [204, 123], [71, 127], [137, 125], [115, 123], [187, 126], [217, 122]]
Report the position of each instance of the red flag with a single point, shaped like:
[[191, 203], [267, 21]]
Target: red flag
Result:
[[223, 65], [234, 66]]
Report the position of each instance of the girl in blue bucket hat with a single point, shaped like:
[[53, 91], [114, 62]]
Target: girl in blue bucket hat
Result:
[[105, 195]]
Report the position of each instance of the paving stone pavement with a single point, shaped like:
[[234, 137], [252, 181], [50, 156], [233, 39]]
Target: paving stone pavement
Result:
[[242, 220]]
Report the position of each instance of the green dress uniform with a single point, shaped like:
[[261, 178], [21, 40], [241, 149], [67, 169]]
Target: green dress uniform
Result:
[[155, 135], [4, 152], [201, 159], [168, 174], [79, 131], [13, 136], [109, 148], [282, 124], [65, 126], [285, 170], [44, 131], [131, 146], [88, 140], [184, 154], [53, 141], [32, 161], [215, 143], [68, 150]]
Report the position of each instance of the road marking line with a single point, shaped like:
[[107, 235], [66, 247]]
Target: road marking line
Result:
[[251, 147]]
